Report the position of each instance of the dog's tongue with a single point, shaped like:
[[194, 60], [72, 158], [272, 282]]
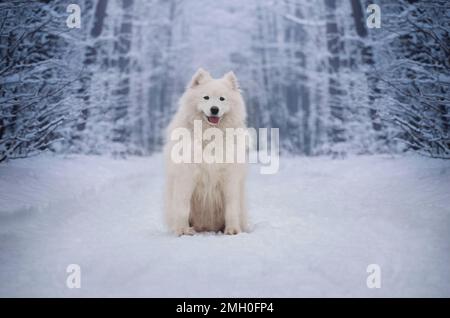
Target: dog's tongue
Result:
[[213, 119]]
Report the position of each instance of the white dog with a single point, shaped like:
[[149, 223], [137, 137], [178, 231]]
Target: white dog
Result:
[[206, 196]]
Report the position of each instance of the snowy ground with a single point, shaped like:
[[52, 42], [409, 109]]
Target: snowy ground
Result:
[[317, 225]]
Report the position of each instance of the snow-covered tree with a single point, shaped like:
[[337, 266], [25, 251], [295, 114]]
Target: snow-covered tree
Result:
[[312, 69], [38, 68], [412, 62]]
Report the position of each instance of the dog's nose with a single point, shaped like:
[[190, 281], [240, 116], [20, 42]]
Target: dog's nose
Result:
[[214, 110]]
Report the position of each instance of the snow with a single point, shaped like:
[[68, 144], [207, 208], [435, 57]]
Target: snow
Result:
[[316, 226]]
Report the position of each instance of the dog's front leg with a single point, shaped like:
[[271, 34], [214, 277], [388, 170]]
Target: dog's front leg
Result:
[[232, 206], [183, 187]]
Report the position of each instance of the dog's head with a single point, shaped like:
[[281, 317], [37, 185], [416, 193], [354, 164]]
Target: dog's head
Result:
[[215, 100]]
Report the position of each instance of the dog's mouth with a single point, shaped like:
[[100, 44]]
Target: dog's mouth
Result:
[[213, 119]]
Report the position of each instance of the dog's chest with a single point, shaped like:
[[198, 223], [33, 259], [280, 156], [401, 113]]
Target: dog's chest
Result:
[[210, 175], [207, 203]]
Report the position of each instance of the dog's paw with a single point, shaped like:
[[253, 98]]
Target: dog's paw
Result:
[[184, 231], [232, 230]]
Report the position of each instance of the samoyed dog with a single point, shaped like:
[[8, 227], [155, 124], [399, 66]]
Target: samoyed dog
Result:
[[204, 196]]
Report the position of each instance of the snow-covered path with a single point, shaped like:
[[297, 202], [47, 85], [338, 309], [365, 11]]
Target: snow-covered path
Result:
[[317, 225]]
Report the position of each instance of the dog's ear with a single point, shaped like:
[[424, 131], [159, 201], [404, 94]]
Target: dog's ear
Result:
[[232, 80], [200, 77]]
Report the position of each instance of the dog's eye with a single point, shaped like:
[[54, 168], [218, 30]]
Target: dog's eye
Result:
[[222, 98], [205, 97]]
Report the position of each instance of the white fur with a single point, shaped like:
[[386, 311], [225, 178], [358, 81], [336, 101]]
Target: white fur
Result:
[[202, 196]]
